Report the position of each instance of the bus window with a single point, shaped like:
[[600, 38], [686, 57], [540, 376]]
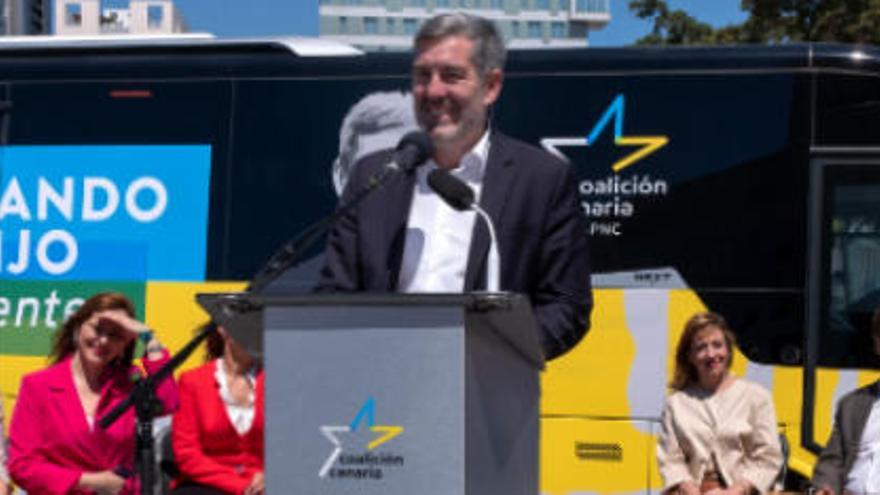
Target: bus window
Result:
[[850, 267], [5, 112], [105, 113]]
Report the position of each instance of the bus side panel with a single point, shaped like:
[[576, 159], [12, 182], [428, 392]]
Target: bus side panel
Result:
[[584, 455]]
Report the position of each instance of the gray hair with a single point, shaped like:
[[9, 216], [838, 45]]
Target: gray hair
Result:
[[489, 52], [377, 121]]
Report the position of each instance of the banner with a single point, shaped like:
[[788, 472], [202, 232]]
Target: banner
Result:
[[76, 220]]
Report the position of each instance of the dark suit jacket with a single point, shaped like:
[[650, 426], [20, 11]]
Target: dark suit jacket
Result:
[[533, 199], [839, 453]]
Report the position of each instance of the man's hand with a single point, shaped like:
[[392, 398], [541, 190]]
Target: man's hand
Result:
[[257, 485], [102, 482]]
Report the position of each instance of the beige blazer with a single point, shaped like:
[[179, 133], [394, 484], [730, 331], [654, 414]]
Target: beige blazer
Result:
[[735, 427]]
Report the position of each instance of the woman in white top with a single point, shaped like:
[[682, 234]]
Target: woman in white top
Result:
[[217, 433], [719, 432]]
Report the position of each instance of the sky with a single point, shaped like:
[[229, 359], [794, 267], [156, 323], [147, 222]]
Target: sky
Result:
[[625, 28], [239, 18]]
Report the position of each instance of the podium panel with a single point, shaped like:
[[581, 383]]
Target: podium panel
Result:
[[369, 410], [393, 394]]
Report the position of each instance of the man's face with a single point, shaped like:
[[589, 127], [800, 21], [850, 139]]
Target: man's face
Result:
[[451, 99]]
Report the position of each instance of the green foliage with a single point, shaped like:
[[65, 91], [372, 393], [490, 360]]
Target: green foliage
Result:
[[671, 27], [769, 21]]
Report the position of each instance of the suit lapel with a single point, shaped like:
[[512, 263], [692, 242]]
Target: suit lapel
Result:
[[497, 181], [866, 403], [63, 391], [398, 192], [861, 410]]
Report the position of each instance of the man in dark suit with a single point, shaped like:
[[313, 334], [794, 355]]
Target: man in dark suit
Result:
[[405, 239], [846, 463]]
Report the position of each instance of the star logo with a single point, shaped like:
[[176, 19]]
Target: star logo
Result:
[[367, 414], [615, 111]]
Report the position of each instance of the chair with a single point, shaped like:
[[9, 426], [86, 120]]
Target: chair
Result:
[[779, 485], [166, 466]]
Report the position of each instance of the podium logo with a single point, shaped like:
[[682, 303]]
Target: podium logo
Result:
[[354, 454]]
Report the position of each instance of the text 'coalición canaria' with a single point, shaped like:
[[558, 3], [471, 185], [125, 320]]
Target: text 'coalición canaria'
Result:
[[605, 201]]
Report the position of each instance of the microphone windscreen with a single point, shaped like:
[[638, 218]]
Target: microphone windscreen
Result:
[[454, 191], [414, 149]]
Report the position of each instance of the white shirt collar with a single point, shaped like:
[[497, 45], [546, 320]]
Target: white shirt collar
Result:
[[472, 165]]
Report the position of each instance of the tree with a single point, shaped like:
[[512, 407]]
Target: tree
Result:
[[671, 27], [769, 21]]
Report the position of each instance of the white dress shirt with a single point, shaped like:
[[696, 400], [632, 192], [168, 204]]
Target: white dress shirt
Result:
[[438, 238], [864, 476]]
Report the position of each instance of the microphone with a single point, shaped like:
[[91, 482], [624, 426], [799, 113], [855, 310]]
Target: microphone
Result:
[[459, 196], [454, 191], [414, 149]]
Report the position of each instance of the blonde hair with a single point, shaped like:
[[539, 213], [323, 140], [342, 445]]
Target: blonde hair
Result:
[[685, 373]]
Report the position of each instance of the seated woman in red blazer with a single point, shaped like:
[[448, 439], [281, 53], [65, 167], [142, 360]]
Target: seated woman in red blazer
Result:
[[217, 433], [55, 445]]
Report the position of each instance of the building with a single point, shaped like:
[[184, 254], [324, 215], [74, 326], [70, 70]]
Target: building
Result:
[[391, 24], [95, 17], [24, 17]]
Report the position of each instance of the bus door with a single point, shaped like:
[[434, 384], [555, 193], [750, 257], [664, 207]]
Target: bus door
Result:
[[843, 284]]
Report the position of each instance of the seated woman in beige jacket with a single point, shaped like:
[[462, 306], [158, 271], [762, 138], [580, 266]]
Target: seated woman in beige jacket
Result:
[[719, 432]]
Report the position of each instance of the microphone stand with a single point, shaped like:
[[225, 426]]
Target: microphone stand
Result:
[[147, 407], [493, 263], [290, 253], [413, 150], [459, 196]]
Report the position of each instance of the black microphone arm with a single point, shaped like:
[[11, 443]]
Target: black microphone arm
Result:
[[459, 196], [413, 150], [291, 252], [147, 406]]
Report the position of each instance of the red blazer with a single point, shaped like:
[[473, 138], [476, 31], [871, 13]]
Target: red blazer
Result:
[[207, 448], [50, 441]]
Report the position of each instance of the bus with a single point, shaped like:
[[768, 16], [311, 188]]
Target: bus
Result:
[[743, 180]]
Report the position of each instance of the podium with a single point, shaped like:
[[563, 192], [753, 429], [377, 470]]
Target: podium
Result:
[[397, 394]]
